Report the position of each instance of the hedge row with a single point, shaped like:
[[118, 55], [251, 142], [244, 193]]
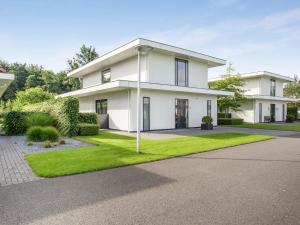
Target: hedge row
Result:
[[65, 110], [88, 118], [86, 129], [293, 111], [230, 121], [224, 115]]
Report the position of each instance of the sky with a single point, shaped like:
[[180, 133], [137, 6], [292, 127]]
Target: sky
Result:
[[252, 35]]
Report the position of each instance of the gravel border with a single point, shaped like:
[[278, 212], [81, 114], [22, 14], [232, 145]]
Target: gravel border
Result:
[[21, 141]]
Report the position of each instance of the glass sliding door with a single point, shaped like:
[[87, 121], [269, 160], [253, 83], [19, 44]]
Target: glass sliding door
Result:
[[146, 113], [181, 113], [101, 110]]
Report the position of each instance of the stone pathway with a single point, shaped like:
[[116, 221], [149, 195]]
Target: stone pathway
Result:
[[13, 167]]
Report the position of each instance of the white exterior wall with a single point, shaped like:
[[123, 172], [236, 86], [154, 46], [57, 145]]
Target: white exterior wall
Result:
[[252, 86], [162, 109], [117, 107], [246, 112], [91, 79], [266, 109]]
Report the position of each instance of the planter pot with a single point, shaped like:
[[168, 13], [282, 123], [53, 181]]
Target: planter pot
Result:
[[207, 126]]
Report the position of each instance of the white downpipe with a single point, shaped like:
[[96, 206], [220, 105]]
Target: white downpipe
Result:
[[138, 132]]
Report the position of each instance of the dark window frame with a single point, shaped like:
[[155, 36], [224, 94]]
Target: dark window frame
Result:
[[101, 110], [208, 107], [273, 87], [104, 71], [149, 114], [187, 112], [186, 72]]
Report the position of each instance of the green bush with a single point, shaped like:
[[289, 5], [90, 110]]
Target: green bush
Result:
[[14, 123], [50, 133], [87, 129], [292, 110], [65, 111], [40, 119], [88, 118], [207, 120], [290, 118], [38, 133], [230, 121], [48, 144], [35, 133], [224, 115]]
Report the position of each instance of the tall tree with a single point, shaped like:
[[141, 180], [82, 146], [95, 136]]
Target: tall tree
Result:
[[85, 55], [292, 89]]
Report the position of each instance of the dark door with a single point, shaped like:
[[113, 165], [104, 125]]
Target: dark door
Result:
[[181, 113], [146, 113], [101, 110], [283, 112], [272, 112], [260, 112]]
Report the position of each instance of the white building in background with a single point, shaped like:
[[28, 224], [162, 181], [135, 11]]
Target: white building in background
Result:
[[265, 101], [5, 80], [174, 87]]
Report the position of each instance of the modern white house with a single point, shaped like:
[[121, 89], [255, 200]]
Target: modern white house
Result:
[[265, 100], [174, 89], [5, 80]]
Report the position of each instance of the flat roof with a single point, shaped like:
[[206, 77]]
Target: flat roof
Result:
[[129, 50], [257, 74], [5, 81]]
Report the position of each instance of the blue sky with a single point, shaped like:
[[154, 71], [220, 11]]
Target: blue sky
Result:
[[252, 35]]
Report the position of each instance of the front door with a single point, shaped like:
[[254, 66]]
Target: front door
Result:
[[181, 113], [101, 110], [260, 112], [272, 112]]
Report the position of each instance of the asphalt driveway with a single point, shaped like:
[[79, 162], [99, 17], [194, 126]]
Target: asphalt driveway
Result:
[[251, 184]]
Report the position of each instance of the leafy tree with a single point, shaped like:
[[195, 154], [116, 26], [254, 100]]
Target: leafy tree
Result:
[[32, 96], [85, 55], [292, 90], [232, 83], [66, 83]]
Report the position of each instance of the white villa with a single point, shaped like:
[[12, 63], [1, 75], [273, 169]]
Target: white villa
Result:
[[174, 87], [265, 101]]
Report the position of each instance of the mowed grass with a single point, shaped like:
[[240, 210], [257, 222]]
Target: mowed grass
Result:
[[266, 126], [114, 150]]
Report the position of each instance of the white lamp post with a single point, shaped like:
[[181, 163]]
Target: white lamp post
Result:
[[142, 50]]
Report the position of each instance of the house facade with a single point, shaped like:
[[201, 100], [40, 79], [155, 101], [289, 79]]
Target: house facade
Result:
[[265, 101], [174, 87]]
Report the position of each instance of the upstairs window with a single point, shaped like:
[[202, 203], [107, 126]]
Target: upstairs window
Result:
[[273, 87], [181, 72], [209, 108], [105, 76]]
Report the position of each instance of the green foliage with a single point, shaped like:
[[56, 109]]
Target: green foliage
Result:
[[40, 119], [292, 89], [85, 55], [88, 118], [290, 118], [207, 120], [38, 133], [224, 115], [64, 110], [14, 123], [33, 95], [293, 111], [230, 121], [87, 129], [48, 144], [233, 84]]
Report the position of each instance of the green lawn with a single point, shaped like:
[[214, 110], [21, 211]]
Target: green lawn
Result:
[[266, 126], [114, 150]]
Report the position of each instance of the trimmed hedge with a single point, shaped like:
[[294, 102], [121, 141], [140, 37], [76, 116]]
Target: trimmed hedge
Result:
[[224, 115], [230, 121], [88, 118], [65, 110], [14, 123], [87, 129], [293, 111]]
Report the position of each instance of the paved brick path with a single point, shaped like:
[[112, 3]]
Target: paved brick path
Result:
[[13, 167]]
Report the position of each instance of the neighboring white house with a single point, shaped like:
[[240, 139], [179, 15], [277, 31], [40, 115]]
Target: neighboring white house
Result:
[[265, 101], [5, 81], [174, 87]]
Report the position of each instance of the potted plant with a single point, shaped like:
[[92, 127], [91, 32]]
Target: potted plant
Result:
[[207, 123]]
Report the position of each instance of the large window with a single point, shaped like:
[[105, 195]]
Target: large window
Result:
[[209, 108], [273, 87], [105, 76], [146, 113], [101, 106], [181, 72]]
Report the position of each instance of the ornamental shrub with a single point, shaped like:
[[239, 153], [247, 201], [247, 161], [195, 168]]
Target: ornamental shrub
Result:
[[88, 118], [40, 119], [293, 111], [230, 121], [207, 120], [87, 129], [38, 133]]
